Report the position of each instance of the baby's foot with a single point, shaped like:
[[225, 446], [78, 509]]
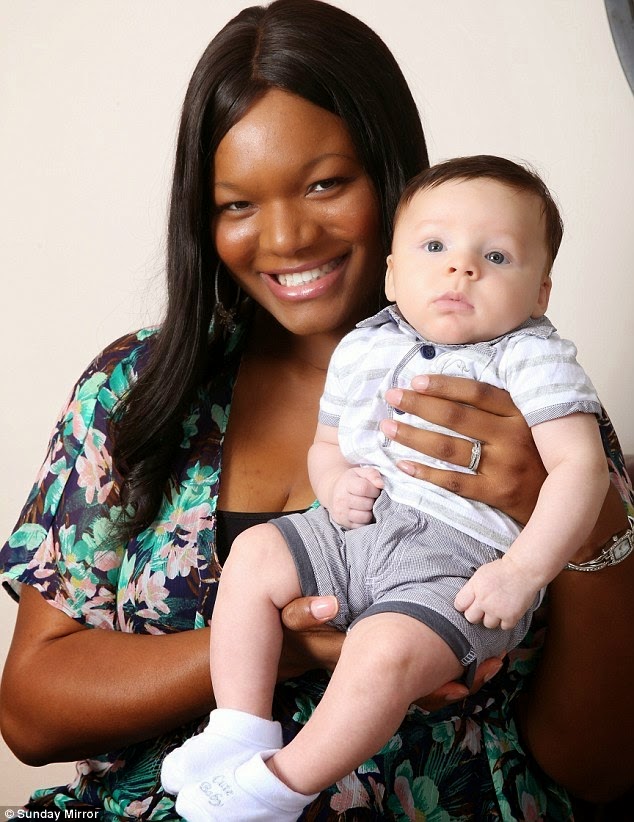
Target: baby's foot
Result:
[[230, 738], [251, 793]]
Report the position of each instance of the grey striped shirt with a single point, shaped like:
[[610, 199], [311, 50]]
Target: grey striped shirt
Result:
[[537, 367]]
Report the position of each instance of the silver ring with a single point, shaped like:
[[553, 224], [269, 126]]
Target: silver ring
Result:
[[476, 453]]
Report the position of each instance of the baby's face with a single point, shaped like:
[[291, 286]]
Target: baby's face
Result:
[[468, 261]]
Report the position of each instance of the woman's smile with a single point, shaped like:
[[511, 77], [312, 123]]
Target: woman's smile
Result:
[[307, 281]]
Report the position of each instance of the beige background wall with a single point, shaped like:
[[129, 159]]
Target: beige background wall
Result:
[[90, 94]]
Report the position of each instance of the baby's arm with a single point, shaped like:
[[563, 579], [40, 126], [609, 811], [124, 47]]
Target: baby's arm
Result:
[[348, 492], [500, 592]]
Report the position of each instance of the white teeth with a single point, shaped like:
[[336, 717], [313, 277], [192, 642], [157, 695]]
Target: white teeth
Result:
[[307, 276]]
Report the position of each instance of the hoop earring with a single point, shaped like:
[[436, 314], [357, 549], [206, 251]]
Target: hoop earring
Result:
[[225, 317]]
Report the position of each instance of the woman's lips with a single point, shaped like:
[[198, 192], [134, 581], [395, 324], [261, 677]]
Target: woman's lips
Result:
[[304, 282]]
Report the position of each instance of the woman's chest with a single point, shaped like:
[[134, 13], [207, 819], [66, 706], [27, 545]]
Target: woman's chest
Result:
[[271, 427]]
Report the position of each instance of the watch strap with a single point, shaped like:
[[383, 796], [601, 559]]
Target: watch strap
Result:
[[618, 549]]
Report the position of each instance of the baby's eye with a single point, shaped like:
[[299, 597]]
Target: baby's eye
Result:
[[496, 257], [434, 245]]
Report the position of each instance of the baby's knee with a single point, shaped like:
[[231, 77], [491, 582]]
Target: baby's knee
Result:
[[248, 548], [407, 652], [387, 640], [261, 546]]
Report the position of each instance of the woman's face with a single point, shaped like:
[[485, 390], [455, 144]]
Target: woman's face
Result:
[[296, 217]]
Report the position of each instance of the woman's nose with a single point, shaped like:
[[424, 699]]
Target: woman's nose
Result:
[[287, 229]]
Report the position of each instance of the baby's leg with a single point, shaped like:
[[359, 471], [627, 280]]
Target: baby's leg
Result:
[[258, 580], [246, 635], [388, 661]]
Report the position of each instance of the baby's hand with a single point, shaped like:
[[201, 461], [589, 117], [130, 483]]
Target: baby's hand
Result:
[[353, 496], [497, 595]]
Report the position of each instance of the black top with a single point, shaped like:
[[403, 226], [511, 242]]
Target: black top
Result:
[[230, 524]]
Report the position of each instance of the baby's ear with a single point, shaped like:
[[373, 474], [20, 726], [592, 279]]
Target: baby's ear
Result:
[[389, 280], [542, 298]]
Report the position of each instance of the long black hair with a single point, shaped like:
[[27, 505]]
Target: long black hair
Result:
[[308, 48]]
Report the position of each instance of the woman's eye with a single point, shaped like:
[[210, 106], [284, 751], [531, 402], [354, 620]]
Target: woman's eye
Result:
[[496, 257], [239, 205], [325, 185], [434, 245]]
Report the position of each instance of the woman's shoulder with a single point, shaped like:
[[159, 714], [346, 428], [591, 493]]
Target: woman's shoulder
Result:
[[96, 393], [128, 351], [115, 368]]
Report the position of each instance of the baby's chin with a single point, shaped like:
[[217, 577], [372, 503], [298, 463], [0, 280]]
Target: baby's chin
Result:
[[450, 332]]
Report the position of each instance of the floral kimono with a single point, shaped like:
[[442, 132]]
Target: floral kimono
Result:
[[465, 762]]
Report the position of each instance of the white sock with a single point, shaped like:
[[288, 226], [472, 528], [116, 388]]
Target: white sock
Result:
[[230, 738], [252, 793], [255, 777]]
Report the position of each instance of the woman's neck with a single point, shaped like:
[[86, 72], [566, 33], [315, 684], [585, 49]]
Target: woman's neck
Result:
[[267, 338]]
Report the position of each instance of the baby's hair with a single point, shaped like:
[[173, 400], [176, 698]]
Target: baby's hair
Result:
[[504, 171]]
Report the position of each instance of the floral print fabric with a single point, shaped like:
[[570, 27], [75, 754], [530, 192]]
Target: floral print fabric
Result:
[[463, 763]]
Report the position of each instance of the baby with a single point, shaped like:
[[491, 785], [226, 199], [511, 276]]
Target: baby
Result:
[[469, 275]]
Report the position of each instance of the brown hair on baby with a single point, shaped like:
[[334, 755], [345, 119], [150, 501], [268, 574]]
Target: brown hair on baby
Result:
[[504, 171]]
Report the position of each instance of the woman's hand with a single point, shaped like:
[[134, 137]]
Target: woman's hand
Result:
[[456, 691], [310, 643], [510, 473]]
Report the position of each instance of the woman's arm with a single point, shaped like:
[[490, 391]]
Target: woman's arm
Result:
[[577, 715], [70, 692]]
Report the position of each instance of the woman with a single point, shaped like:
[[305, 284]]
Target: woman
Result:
[[292, 150]]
